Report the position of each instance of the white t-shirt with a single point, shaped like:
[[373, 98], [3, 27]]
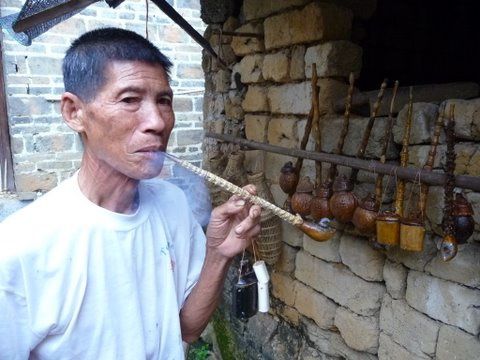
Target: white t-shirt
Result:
[[80, 282]]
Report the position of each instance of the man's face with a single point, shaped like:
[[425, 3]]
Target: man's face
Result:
[[128, 124]]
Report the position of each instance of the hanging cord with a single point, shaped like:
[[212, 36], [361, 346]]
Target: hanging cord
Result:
[[241, 266], [254, 252], [394, 171], [146, 19], [410, 195]]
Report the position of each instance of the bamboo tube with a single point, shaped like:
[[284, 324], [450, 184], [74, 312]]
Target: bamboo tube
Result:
[[388, 134], [368, 129], [319, 232], [429, 163], [404, 157], [316, 124], [341, 140], [448, 247]]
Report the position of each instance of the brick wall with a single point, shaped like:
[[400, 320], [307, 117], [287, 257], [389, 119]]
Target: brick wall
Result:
[[340, 299], [45, 151]]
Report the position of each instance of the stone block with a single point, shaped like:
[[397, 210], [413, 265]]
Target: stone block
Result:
[[286, 262], [301, 124], [390, 350], [290, 98], [325, 250], [188, 137], [283, 287], [467, 118], [423, 123], [474, 199], [276, 66], [361, 258], [404, 324], [37, 181], [297, 63], [314, 305], [283, 132], [395, 276], [28, 106], [468, 159], [455, 344], [464, 270], [255, 99], [333, 127], [332, 344], [418, 155], [250, 68], [254, 9], [182, 104], [44, 65], [242, 45], [189, 71], [290, 314], [216, 11], [446, 301], [358, 295], [256, 127], [53, 143], [359, 332], [233, 111], [334, 58], [221, 80], [331, 90], [291, 235], [414, 260], [325, 22]]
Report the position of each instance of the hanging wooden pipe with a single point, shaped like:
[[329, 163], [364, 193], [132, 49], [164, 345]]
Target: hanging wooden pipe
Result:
[[343, 134], [412, 229], [368, 130], [449, 247], [399, 200], [430, 162], [365, 215], [300, 193], [317, 132], [290, 174]]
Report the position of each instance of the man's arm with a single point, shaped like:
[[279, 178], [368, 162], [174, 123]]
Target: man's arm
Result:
[[231, 228]]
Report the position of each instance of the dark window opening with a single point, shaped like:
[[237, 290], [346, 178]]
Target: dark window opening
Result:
[[420, 42]]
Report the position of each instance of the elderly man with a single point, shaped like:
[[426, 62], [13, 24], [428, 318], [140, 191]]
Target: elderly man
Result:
[[109, 265]]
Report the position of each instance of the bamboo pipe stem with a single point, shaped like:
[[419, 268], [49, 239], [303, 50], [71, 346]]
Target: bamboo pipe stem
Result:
[[399, 200], [388, 134], [368, 129], [346, 121], [316, 123]]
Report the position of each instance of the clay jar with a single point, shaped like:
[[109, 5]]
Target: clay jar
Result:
[[302, 197], [319, 207], [412, 234], [343, 201], [462, 219], [388, 228], [365, 215], [288, 179]]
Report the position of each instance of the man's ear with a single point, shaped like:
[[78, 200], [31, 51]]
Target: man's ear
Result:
[[72, 108]]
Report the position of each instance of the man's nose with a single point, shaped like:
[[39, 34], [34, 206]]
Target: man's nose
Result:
[[155, 118]]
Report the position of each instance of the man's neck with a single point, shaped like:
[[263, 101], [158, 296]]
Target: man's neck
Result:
[[109, 189]]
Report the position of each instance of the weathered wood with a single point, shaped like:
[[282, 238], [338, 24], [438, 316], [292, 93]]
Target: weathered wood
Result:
[[5, 151], [406, 173]]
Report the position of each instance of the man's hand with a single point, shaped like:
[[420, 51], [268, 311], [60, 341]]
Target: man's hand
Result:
[[233, 225]]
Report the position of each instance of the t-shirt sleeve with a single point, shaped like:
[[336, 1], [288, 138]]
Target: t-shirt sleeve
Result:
[[197, 256], [16, 337]]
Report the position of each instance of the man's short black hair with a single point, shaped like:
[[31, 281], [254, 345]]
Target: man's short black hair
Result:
[[87, 58]]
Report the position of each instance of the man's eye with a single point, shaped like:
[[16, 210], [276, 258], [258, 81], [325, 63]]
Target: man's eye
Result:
[[129, 100], [165, 101]]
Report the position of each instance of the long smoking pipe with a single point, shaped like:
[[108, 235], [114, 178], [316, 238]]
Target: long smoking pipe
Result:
[[319, 232]]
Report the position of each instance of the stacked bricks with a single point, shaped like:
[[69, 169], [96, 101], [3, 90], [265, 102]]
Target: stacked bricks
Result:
[[341, 298], [45, 150]]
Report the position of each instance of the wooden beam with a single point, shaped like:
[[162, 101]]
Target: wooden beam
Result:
[[406, 173], [5, 150]]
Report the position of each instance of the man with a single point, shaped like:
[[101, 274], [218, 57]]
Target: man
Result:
[[108, 265]]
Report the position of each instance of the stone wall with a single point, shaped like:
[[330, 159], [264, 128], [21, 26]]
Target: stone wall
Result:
[[341, 298], [45, 151]]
